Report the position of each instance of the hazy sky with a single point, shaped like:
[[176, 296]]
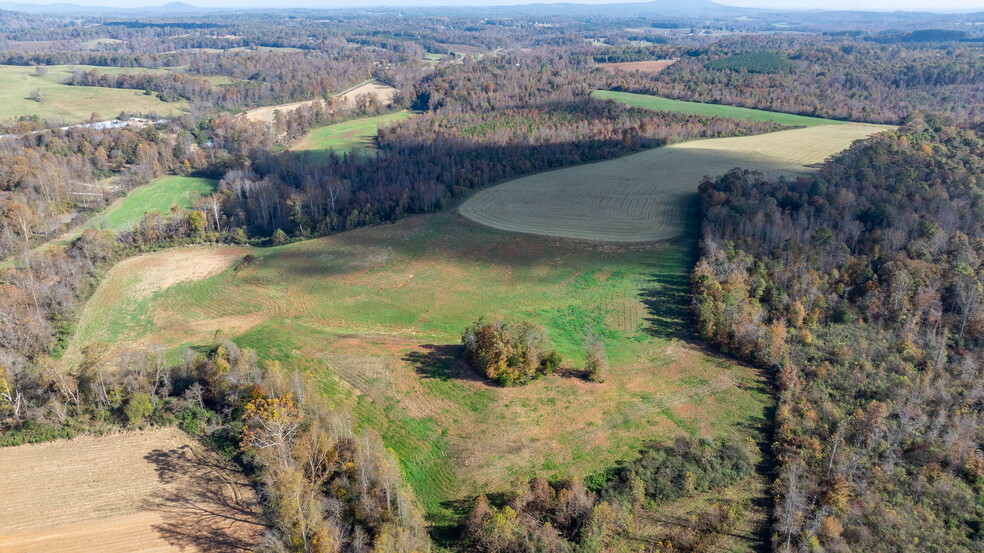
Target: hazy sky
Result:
[[889, 5]]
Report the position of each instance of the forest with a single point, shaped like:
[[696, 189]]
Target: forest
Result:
[[861, 288], [858, 290]]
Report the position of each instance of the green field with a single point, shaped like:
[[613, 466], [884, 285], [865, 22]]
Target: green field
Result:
[[350, 136], [696, 108], [375, 316], [74, 104], [157, 197]]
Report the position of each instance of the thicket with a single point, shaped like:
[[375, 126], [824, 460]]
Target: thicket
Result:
[[863, 289], [589, 517], [510, 353]]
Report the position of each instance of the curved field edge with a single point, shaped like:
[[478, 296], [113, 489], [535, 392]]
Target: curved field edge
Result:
[[698, 108], [348, 136], [643, 197], [375, 315]]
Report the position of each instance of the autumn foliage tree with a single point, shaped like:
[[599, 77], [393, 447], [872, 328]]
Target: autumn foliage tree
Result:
[[512, 354]]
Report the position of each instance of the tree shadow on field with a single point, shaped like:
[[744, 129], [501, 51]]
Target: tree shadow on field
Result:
[[666, 299], [442, 362], [207, 505]]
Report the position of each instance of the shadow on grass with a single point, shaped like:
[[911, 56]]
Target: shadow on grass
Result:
[[443, 362], [667, 293]]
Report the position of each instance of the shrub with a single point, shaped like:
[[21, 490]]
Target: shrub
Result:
[[138, 406]]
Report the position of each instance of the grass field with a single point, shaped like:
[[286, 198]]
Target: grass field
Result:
[[696, 108], [375, 315], [73, 104], [154, 491], [357, 134], [157, 197], [644, 196]]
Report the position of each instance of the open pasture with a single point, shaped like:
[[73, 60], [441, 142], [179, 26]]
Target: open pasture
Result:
[[73, 104], [349, 136], [375, 316], [160, 196], [643, 197], [697, 108], [154, 491], [651, 66], [382, 92]]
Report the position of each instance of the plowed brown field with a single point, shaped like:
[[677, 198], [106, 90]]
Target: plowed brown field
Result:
[[153, 491]]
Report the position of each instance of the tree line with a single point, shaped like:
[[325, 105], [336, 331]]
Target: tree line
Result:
[[862, 288]]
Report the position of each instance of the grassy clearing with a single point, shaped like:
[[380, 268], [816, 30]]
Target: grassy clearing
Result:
[[383, 93], [696, 108], [652, 66], [645, 195], [347, 137], [74, 104], [160, 196], [374, 316]]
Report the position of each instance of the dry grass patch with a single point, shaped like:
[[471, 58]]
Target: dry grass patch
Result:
[[643, 197], [382, 92], [651, 66], [134, 492]]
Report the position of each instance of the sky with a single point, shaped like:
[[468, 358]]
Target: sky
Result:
[[879, 5]]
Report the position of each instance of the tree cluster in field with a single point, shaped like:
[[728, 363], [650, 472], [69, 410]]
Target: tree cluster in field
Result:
[[833, 77], [512, 354], [863, 287], [570, 516], [327, 488]]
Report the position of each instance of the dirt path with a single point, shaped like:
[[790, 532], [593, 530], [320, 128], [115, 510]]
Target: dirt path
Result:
[[383, 93], [143, 491]]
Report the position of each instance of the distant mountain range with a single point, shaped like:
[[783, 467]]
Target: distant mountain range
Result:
[[169, 8], [674, 8]]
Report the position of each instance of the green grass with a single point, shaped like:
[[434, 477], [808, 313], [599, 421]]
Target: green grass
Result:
[[160, 196], [697, 108], [74, 104], [349, 136], [375, 316]]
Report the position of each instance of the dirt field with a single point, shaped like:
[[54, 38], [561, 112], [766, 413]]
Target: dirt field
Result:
[[653, 66], [643, 197], [152, 491], [383, 92]]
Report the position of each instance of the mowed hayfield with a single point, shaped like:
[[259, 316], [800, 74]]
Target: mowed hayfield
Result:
[[350, 136], [649, 66], [154, 491], [643, 197], [696, 108], [376, 316], [74, 104]]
